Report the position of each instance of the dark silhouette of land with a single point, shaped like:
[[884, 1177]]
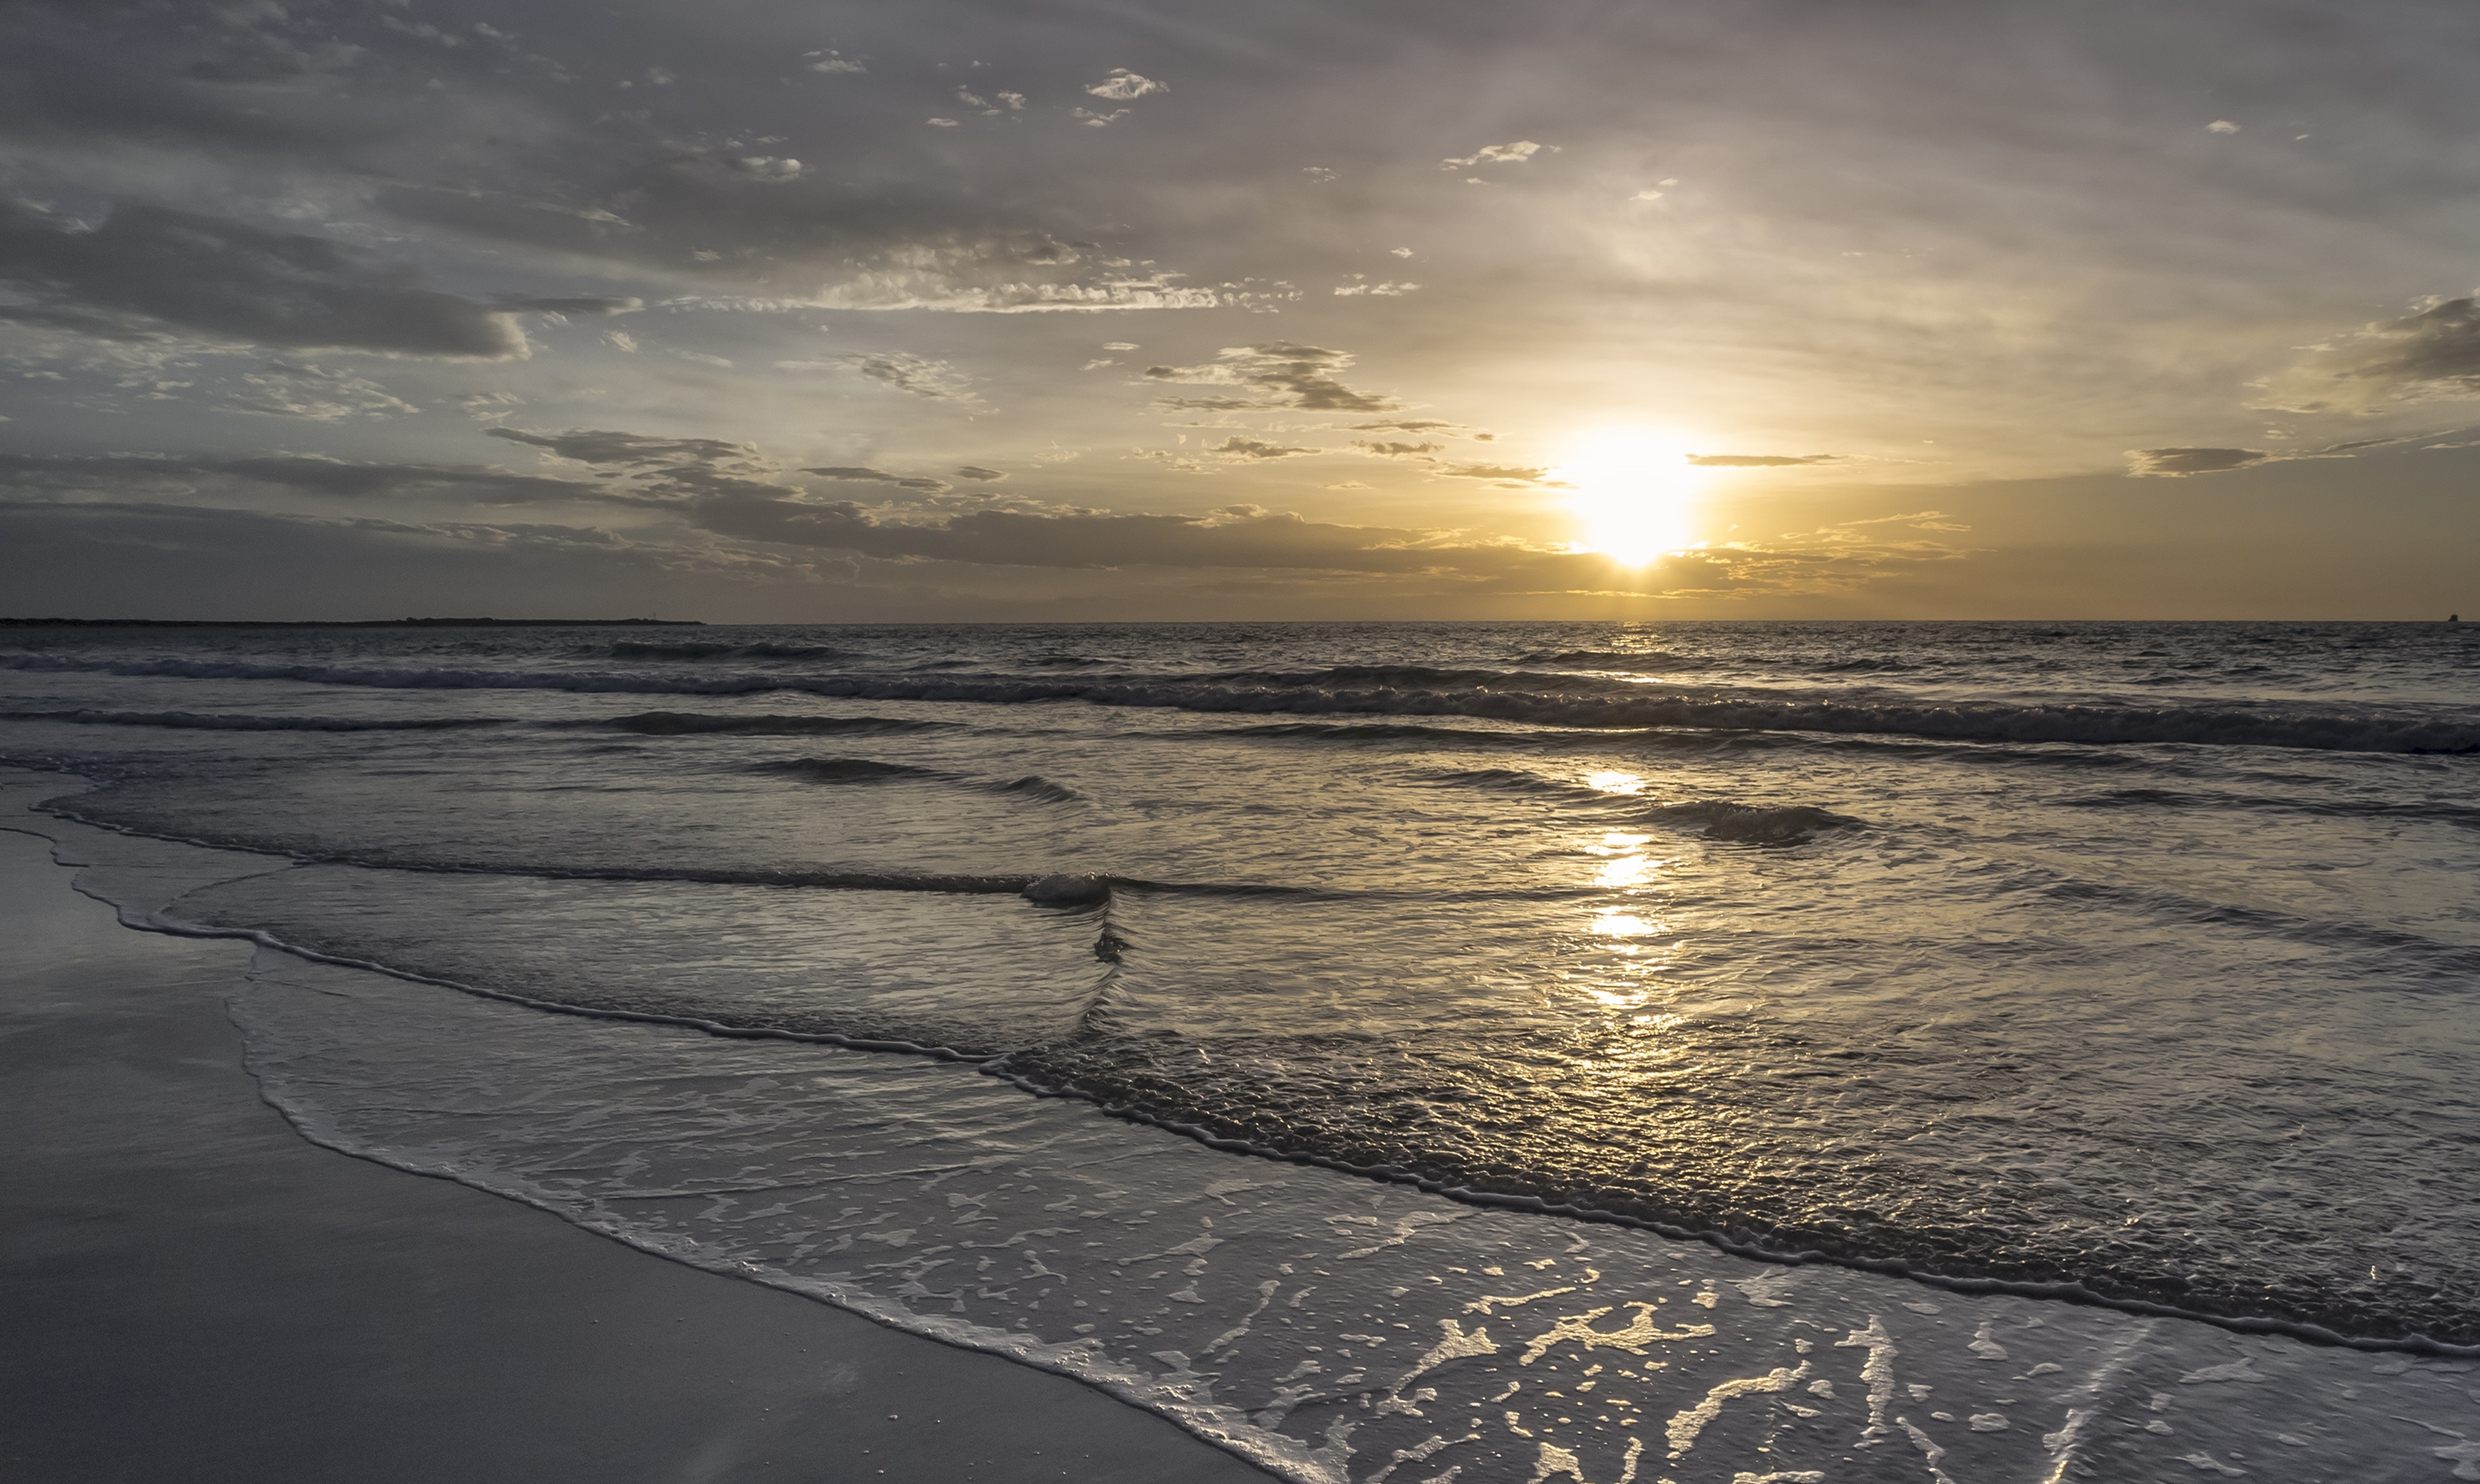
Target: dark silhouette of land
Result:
[[403, 622]]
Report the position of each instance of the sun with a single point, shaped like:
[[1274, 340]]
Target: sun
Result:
[[1635, 494]]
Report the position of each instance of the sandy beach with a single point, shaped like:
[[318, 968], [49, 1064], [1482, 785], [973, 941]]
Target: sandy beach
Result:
[[189, 1290]]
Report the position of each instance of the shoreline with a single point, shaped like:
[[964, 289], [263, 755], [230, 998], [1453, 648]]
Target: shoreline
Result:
[[195, 1291]]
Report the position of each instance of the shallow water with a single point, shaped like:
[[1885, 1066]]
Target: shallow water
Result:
[[2122, 960]]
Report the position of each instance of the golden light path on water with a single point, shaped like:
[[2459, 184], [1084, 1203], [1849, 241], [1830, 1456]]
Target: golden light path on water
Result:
[[1634, 493]]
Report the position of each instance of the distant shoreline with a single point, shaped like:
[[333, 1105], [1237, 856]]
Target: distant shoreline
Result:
[[403, 622]]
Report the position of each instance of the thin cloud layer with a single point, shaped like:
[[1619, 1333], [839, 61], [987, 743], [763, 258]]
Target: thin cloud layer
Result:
[[149, 270], [1758, 460]]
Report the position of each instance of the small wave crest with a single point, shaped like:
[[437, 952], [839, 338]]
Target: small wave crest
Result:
[[1033, 785], [1750, 824], [1517, 780], [841, 770], [645, 649], [1646, 661], [207, 721], [675, 723]]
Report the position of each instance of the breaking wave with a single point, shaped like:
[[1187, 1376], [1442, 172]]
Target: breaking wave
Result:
[[1496, 695]]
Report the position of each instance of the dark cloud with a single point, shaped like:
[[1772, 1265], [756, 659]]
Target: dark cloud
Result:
[[593, 445], [2173, 463], [2431, 355], [1758, 460], [1301, 377], [1397, 450], [881, 476], [1211, 403], [124, 474], [1238, 447], [141, 560], [977, 473], [1415, 426], [230, 281], [918, 375]]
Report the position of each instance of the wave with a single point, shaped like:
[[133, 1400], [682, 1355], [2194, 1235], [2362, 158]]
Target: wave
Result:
[[2432, 812], [842, 770], [207, 721], [1719, 819], [1752, 825], [1517, 780], [675, 723], [1483, 694], [642, 648], [1033, 785], [1641, 660]]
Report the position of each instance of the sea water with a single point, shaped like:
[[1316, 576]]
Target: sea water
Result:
[[1698, 1051]]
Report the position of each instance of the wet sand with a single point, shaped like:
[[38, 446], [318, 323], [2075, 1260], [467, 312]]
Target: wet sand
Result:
[[189, 1290]]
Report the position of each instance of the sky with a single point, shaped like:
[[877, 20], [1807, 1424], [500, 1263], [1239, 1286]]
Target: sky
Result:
[[751, 310]]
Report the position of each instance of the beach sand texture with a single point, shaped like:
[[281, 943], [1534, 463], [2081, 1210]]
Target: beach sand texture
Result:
[[192, 1293]]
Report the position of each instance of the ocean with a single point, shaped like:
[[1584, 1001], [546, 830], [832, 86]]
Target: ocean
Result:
[[1731, 1051]]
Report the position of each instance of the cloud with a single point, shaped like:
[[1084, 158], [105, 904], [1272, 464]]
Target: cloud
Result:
[[1512, 473], [124, 476], [1211, 403], [767, 169], [699, 491], [1518, 153], [2430, 355], [1295, 376], [663, 469], [1238, 447], [2221, 126], [489, 406], [1094, 120], [1758, 460], [918, 375], [1020, 538], [2174, 463], [1379, 290], [148, 269], [594, 446], [828, 62], [1415, 426], [1004, 272], [1122, 86], [1398, 450], [180, 561], [2171, 463], [585, 307], [881, 476], [977, 473], [288, 389]]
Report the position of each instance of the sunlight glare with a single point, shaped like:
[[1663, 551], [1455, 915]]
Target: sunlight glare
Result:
[[1634, 492]]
